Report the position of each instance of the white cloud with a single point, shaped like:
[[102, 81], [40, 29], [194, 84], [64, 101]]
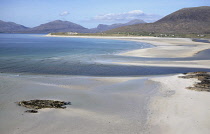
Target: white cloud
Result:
[[136, 12], [127, 16], [65, 13]]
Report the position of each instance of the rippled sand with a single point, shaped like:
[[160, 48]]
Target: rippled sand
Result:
[[99, 105], [125, 105]]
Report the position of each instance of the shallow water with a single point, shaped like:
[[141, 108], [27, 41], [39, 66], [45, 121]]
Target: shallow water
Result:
[[34, 54]]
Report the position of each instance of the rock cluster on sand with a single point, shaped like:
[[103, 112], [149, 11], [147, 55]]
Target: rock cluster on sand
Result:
[[31, 111], [203, 77], [39, 104]]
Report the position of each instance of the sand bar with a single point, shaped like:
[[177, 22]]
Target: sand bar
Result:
[[165, 47]]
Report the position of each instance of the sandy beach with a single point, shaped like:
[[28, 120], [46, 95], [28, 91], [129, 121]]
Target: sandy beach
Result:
[[127, 105], [187, 64], [158, 104], [164, 48], [181, 110], [99, 105]]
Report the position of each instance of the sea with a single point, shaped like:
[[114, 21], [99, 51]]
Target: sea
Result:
[[35, 54]]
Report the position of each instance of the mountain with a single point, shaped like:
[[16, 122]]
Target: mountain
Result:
[[66, 26], [60, 26], [103, 27], [133, 22], [11, 27], [57, 26], [184, 21]]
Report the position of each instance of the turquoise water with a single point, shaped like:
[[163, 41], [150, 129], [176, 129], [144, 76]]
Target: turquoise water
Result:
[[35, 54], [35, 46]]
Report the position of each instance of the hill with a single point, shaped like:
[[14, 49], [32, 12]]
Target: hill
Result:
[[184, 21], [11, 27], [103, 27], [60, 26], [57, 26]]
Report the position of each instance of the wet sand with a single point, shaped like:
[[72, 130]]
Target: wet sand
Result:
[[186, 64], [99, 105], [127, 105]]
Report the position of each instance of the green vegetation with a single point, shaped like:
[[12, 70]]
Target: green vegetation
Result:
[[193, 35], [87, 34]]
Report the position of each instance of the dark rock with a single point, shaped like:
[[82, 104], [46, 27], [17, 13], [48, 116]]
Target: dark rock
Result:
[[203, 77], [198, 89], [39, 104], [197, 73], [67, 103], [31, 111], [203, 84]]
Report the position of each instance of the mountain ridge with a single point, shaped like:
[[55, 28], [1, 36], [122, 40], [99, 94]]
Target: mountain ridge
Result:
[[10, 26], [183, 21], [104, 27], [62, 26], [57, 26]]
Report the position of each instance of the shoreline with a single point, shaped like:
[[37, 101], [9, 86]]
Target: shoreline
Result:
[[184, 64], [165, 47], [156, 104], [180, 110]]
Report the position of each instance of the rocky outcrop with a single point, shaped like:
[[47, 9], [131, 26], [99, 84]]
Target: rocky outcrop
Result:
[[204, 80], [31, 111], [39, 104]]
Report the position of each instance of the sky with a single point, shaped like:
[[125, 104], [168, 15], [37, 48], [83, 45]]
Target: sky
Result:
[[90, 13]]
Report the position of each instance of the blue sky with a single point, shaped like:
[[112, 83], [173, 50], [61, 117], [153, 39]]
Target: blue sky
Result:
[[90, 13]]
